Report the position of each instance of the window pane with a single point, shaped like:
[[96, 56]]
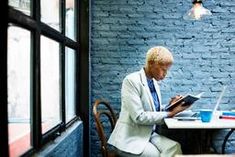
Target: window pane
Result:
[[18, 72], [50, 83], [50, 13], [22, 5], [70, 85], [70, 19]]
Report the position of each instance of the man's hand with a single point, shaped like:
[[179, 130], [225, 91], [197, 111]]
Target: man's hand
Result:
[[174, 99], [179, 108]]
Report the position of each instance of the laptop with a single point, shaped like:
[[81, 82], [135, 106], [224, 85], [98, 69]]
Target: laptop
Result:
[[190, 115]]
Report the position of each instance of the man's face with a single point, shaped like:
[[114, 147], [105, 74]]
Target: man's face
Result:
[[159, 71]]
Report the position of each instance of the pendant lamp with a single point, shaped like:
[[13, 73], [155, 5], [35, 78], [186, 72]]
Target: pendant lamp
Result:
[[197, 12]]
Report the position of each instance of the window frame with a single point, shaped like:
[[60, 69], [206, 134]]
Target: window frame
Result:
[[80, 46], [3, 79]]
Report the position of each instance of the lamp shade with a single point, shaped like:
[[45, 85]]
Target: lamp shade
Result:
[[197, 12]]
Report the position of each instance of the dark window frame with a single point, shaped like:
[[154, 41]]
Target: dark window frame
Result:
[[3, 79], [81, 47]]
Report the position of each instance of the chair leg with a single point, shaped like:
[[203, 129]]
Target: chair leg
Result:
[[226, 139]]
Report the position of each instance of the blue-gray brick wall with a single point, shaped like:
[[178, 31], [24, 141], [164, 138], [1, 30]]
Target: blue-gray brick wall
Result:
[[204, 51], [69, 144]]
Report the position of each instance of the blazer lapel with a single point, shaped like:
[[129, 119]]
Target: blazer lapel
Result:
[[145, 84]]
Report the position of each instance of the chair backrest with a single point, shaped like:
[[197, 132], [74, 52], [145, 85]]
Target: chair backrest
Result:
[[98, 112]]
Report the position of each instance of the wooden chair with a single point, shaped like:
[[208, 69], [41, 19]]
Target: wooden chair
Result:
[[102, 109]]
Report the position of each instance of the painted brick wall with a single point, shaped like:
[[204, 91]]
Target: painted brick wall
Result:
[[69, 144], [204, 51]]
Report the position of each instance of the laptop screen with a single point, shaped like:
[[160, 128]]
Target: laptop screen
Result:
[[219, 99], [195, 115]]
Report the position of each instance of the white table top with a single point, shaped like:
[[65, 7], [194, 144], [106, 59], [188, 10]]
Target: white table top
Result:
[[215, 123]]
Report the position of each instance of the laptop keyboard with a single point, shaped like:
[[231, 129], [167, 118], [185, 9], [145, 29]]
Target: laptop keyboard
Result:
[[188, 116], [196, 114]]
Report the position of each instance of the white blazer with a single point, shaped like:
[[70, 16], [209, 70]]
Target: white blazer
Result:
[[138, 116]]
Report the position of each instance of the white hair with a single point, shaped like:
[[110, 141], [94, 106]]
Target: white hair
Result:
[[160, 55]]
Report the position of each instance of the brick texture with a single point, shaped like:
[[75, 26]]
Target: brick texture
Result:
[[204, 51]]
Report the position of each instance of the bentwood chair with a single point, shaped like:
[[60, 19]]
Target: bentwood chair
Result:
[[105, 119]]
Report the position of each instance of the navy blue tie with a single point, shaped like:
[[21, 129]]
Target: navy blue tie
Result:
[[154, 94]]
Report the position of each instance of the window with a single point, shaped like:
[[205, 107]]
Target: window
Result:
[[50, 83], [21, 5], [50, 13], [42, 72], [70, 81], [18, 89], [70, 20]]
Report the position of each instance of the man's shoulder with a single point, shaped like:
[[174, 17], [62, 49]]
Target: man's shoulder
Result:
[[134, 76]]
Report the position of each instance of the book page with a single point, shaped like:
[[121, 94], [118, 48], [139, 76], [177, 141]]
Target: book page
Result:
[[188, 99]]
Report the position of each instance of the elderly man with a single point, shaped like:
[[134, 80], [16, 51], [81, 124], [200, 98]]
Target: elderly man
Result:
[[135, 133]]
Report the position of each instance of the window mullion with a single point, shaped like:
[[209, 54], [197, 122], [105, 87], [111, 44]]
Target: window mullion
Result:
[[84, 76], [62, 67], [36, 102]]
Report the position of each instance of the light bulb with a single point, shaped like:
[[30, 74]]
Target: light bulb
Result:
[[197, 11]]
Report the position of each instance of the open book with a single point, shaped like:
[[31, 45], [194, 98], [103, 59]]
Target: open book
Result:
[[187, 99]]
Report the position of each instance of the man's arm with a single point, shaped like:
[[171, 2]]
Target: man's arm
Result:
[[131, 99]]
